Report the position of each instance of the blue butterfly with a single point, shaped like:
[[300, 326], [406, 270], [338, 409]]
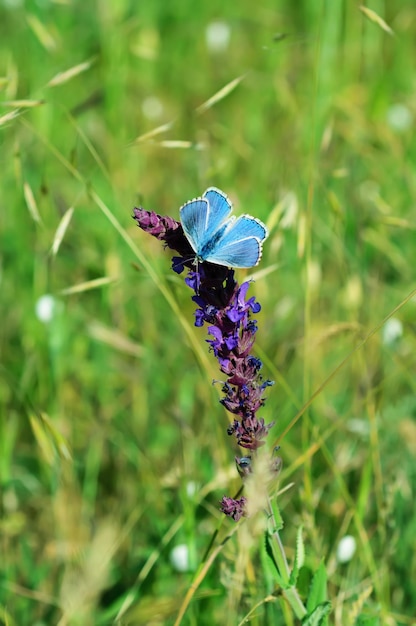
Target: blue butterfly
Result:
[[217, 238]]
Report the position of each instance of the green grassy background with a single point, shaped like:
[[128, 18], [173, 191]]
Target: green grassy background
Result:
[[113, 447]]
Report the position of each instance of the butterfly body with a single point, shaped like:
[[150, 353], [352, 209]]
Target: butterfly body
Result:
[[218, 238]]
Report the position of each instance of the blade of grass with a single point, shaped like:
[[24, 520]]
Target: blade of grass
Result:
[[89, 145], [115, 338], [61, 230], [200, 575], [147, 567], [31, 202], [72, 72], [88, 285], [152, 133], [42, 33], [8, 117], [220, 95], [23, 104], [376, 19], [189, 330], [344, 361], [175, 143]]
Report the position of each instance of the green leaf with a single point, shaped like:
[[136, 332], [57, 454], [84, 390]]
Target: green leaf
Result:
[[317, 592], [272, 560], [318, 615], [299, 557], [276, 517], [50, 441]]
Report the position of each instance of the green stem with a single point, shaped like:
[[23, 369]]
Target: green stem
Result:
[[290, 592]]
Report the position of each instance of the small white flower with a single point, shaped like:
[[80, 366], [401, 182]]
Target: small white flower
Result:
[[399, 117], [179, 557], [392, 330], [152, 108], [46, 308], [346, 549], [191, 488], [217, 36], [359, 426]]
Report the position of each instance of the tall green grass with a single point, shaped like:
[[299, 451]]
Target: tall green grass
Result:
[[113, 447]]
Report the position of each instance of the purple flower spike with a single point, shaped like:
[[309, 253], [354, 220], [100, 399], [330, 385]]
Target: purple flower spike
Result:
[[250, 432], [222, 304], [165, 229]]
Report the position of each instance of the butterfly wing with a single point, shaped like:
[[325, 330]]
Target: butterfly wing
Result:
[[194, 217], [215, 237], [240, 244], [201, 218], [219, 209]]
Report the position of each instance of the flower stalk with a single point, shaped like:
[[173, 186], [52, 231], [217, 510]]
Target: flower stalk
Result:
[[224, 306]]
